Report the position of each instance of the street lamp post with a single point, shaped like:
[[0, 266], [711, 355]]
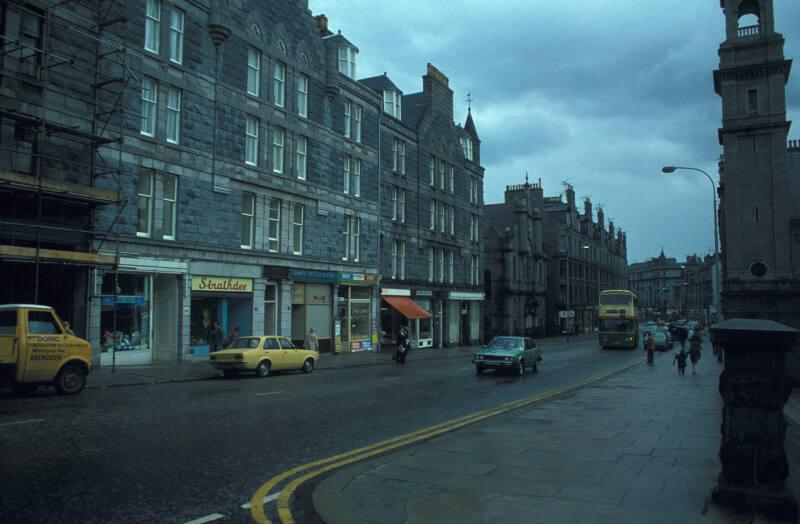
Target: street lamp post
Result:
[[671, 169]]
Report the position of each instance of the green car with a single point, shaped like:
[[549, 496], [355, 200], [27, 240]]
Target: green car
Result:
[[514, 353]]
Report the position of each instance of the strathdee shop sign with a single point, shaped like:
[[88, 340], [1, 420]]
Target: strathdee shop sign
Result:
[[222, 284]]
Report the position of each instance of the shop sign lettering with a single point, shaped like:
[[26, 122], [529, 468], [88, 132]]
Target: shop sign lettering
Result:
[[359, 278], [222, 284]]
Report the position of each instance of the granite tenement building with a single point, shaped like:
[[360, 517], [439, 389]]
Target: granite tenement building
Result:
[[166, 165], [669, 289], [584, 258], [515, 271]]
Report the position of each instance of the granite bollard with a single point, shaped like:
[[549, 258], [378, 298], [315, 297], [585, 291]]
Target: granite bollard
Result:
[[754, 389]]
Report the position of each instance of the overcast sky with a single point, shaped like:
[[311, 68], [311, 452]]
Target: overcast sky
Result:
[[598, 93]]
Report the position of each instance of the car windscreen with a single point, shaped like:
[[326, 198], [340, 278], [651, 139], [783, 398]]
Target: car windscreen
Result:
[[615, 324], [244, 343], [505, 343]]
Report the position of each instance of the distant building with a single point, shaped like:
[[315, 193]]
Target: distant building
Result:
[[658, 284], [669, 289], [584, 258], [759, 172], [515, 272]]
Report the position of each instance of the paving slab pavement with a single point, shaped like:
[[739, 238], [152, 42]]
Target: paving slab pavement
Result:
[[640, 446]]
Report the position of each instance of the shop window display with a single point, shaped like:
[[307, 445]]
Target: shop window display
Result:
[[125, 315], [354, 314]]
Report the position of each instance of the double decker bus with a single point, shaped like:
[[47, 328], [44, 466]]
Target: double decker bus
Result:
[[618, 316]]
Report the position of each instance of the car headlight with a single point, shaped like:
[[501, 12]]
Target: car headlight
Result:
[[509, 359]]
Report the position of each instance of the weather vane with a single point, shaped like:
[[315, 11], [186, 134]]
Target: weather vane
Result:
[[469, 101]]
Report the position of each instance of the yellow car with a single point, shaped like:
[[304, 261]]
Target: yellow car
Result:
[[262, 355]]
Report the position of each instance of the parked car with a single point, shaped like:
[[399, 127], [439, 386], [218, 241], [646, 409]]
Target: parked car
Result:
[[263, 355], [660, 338], [667, 335], [511, 353]]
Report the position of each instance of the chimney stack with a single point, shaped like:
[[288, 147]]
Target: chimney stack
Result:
[[322, 23]]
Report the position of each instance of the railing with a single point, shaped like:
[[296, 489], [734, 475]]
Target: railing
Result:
[[748, 30]]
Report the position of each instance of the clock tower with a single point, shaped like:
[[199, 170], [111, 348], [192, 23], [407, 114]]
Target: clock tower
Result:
[[759, 189]]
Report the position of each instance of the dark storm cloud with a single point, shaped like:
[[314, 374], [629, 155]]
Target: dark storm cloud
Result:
[[597, 93]]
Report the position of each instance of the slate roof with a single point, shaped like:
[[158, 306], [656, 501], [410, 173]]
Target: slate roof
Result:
[[413, 108], [499, 215], [469, 126], [380, 83]]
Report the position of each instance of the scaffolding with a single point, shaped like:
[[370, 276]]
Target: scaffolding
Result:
[[46, 154]]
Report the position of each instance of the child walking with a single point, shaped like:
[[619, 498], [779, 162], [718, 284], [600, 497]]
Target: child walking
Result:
[[680, 358]]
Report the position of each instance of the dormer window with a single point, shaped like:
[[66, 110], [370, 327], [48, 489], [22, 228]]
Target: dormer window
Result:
[[392, 103], [466, 147], [347, 61]]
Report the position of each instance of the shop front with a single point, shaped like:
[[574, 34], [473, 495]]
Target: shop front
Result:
[[226, 300], [126, 335], [277, 279], [398, 308], [357, 312], [463, 317], [312, 306]]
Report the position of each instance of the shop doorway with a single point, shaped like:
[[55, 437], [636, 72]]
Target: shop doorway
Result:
[[165, 336], [464, 325]]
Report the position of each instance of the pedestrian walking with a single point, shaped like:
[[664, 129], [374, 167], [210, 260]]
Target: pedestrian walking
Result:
[[230, 339], [650, 346], [312, 342], [682, 334], [680, 358], [216, 336], [402, 347], [694, 353]]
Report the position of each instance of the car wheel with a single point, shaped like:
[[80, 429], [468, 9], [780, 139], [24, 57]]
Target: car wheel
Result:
[[263, 369], [479, 370], [520, 368], [228, 373], [70, 380], [308, 365]]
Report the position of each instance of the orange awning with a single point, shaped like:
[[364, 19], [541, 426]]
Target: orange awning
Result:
[[407, 307]]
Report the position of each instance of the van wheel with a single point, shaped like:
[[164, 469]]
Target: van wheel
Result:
[[24, 389], [308, 366], [263, 369], [70, 380]]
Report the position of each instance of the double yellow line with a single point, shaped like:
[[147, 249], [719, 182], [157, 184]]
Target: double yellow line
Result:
[[337, 461]]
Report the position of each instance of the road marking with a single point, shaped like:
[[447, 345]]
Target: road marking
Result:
[[465, 367], [207, 518], [267, 500], [29, 421], [269, 393], [349, 457]]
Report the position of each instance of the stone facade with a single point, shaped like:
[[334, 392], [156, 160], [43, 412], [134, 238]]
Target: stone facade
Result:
[[431, 194], [230, 156], [515, 265], [584, 258], [760, 238], [669, 289]]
